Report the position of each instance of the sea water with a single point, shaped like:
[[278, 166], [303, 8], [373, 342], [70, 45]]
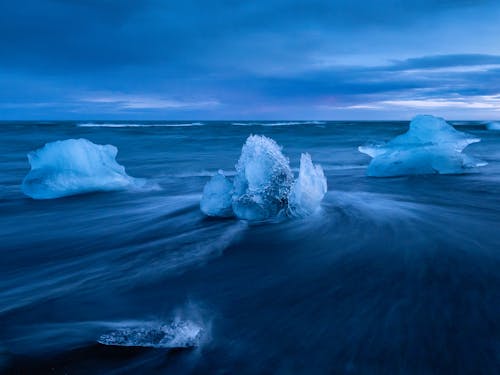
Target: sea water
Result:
[[389, 275]]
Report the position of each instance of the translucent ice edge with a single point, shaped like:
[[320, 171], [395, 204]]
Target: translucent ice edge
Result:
[[75, 166], [430, 146], [176, 334], [264, 186]]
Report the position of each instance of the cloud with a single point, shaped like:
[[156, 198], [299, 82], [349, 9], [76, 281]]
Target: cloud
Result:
[[464, 103], [488, 102], [447, 61], [227, 58], [89, 35], [134, 102]]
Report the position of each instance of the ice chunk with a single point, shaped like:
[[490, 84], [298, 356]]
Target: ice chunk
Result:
[[263, 186], [217, 197], [177, 334], [309, 188], [493, 126], [74, 166], [430, 146], [263, 180]]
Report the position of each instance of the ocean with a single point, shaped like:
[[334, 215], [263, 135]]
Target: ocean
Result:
[[391, 276]]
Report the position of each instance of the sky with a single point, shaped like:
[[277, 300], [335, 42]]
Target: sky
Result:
[[249, 59]]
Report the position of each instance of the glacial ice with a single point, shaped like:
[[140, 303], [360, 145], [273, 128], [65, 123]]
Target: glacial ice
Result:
[[264, 187], [493, 125], [176, 334], [217, 196], [263, 180], [309, 188], [430, 146], [74, 166]]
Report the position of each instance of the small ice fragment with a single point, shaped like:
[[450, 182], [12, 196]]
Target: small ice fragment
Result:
[[217, 197], [177, 334], [309, 188], [493, 125]]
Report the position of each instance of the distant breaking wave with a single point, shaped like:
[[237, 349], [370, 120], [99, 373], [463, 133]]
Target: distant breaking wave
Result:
[[189, 124], [132, 125], [283, 123]]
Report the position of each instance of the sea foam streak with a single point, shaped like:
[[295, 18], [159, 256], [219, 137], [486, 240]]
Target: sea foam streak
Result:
[[430, 146], [75, 166], [264, 186]]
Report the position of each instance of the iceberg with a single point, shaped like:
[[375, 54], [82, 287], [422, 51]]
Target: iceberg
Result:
[[309, 188], [74, 166], [264, 186], [493, 125], [263, 180], [430, 146], [176, 334]]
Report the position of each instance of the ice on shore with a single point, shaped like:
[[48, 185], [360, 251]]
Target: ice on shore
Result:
[[309, 188], [264, 185], [217, 196], [74, 166], [493, 125], [263, 180], [430, 146], [177, 334]]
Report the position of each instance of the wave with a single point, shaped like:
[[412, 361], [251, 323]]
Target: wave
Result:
[[148, 257], [188, 326], [282, 123], [189, 124], [136, 125]]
